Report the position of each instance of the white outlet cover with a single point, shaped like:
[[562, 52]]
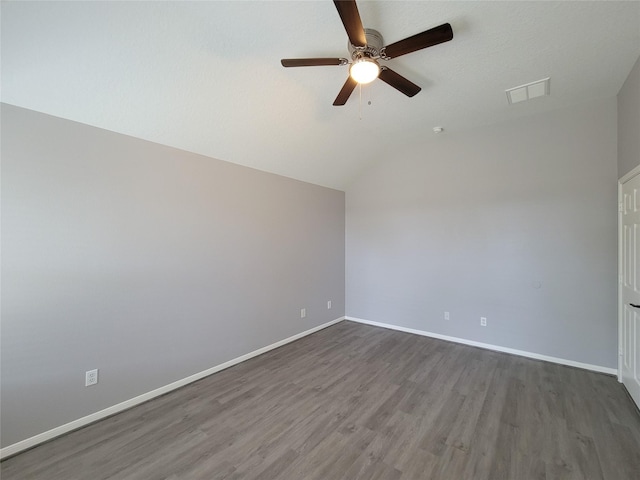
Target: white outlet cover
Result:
[[91, 377], [303, 313], [329, 304]]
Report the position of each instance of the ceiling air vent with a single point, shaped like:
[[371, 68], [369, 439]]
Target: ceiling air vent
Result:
[[528, 91]]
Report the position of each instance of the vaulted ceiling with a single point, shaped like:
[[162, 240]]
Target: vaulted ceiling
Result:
[[206, 76]]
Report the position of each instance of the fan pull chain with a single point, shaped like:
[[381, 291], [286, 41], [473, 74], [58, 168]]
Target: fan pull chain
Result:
[[360, 92]]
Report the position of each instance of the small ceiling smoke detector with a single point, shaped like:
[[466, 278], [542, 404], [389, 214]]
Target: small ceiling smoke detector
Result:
[[528, 91], [438, 129]]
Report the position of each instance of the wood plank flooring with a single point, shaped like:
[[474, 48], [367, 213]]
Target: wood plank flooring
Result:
[[359, 402]]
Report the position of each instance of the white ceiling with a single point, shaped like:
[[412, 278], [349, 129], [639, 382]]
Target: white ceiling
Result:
[[206, 76]]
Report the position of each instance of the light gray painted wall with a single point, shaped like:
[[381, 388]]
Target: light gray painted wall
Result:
[[147, 262], [629, 122], [472, 223]]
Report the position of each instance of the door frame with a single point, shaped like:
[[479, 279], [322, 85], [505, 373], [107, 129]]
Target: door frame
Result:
[[621, 181]]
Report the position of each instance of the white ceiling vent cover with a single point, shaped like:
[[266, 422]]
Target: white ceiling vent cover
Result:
[[539, 88]]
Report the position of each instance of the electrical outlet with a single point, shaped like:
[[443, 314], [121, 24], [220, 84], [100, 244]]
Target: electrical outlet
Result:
[[303, 313], [329, 305], [91, 377], [483, 321], [446, 315]]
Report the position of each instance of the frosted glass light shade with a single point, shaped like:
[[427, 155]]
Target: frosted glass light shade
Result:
[[364, 70]]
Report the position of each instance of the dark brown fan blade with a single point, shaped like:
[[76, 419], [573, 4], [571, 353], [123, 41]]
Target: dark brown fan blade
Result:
[[312, 62], [431, 37], [398, 82], [348, 11], [345, 93]]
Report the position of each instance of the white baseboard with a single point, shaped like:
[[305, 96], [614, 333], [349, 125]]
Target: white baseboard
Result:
[[488, 346], [81, 422]]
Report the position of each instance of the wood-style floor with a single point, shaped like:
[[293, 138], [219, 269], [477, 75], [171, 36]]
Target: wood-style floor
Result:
[[359, 402]]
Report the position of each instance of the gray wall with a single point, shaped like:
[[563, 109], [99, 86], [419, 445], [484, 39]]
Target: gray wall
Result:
[[515, 222], [146, 262], [629, 122]]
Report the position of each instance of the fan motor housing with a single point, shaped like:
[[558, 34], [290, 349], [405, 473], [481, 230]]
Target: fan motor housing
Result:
[[375, 42]]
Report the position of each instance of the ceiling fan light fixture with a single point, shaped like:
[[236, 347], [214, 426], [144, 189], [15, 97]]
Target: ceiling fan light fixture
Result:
[[366, 47], [364, 70]]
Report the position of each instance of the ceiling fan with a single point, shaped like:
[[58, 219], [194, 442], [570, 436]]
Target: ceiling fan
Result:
[[366, 49]]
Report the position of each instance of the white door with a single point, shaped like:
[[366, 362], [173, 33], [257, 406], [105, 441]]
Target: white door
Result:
[[630, 288]]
